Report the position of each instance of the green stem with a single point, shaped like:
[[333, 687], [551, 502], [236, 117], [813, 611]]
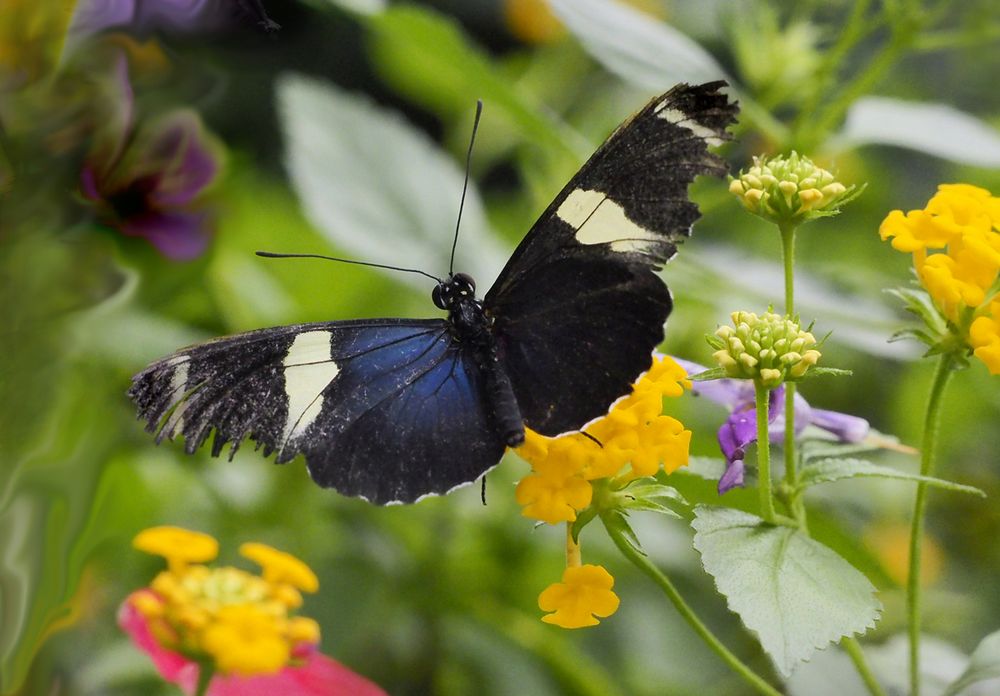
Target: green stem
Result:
[[791, 475], [931, 421], [763, 454], [788, 261], [643, 563], [902, 36], [205, 673], [858, 25], [853, 650]]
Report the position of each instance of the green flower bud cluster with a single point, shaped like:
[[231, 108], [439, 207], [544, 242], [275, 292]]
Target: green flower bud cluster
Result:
[[769, 348], [789, 189]]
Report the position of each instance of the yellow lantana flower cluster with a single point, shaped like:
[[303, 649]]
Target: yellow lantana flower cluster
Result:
[[955, 242], [633, 440], [239, 622]]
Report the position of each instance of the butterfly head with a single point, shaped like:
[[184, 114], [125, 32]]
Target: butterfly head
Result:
[[459, 287]]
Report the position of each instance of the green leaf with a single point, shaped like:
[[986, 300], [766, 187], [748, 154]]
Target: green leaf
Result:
[[617, 524], [425, 56], [984, 664], [835, 469], [936, 129], [378, 187], [793, 592], [710, 374], [358, 7], [708, 468], [816, 445], [828, 371], [638, 48], [649, 495]]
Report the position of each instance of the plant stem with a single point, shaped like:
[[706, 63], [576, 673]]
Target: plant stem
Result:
[[205, 673], [853, 649], [763, 454], [788, 261], [791, 475], [643, 563], [931, 421]]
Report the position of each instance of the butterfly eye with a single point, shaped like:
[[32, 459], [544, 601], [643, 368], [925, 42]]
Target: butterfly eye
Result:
[[438, 296], [464, 279]]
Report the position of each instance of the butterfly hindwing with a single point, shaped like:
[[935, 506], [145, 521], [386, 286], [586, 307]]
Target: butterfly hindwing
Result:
[[379, 408], [578, 309]]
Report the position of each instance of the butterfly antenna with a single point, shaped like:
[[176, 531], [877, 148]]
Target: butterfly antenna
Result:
[[465, 186], [272, 255]]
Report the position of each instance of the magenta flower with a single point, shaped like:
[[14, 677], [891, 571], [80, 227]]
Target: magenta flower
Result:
[[740, 429], [147, 181]]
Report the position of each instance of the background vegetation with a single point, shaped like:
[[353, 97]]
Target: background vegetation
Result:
[[344, 132]]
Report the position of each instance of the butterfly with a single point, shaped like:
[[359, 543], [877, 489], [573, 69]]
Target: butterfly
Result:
[[392, 410]]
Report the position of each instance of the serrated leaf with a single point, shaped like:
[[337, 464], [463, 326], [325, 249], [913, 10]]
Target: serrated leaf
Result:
[[983, 664], [936, 129], [638, 48], [836, 469], [377, 187], [793, 592]]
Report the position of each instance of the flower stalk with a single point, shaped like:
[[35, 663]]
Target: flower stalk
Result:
[[932, 419], [763, 453]]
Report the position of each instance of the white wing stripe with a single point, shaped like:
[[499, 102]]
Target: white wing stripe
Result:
[[309, 368]]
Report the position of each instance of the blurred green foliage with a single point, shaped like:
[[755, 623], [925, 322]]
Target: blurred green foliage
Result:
[[439, 597]]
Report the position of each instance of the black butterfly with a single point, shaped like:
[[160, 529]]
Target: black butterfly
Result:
[[395, 409]]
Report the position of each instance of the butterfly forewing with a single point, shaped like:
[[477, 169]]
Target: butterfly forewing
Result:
[[578, 309], [379, 408]]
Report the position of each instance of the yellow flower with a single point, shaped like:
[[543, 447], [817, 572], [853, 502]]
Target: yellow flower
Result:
[[955, 242], [245, 640], [552, 498], [242, 623], [179, 546], [633, 434], [583, 595], [984, 337], [281, 568]]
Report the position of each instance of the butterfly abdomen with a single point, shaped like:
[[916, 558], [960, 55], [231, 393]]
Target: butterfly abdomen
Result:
[[472, 330]]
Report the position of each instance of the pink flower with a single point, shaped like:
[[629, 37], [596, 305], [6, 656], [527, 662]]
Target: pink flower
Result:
[[314, 674]]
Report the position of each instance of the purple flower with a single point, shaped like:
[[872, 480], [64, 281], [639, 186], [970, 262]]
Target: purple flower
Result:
[[93, 16], [146, 181], [740, 429]]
